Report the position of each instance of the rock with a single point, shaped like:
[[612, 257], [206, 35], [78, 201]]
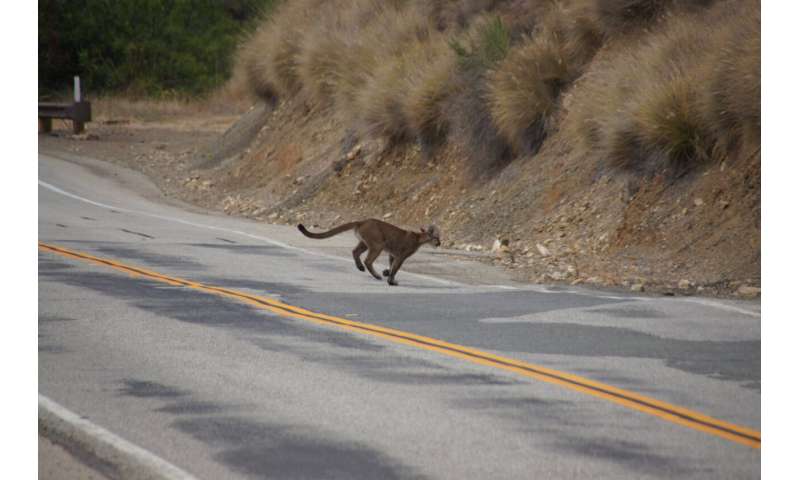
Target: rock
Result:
[[85, 136], [637, 287], [571, 270], [299, 180], [500, 245], [558, 276], [685, 284], [698, 202], [388, 215], [748, 291], [543, 250], [352, 154], [724, 204]]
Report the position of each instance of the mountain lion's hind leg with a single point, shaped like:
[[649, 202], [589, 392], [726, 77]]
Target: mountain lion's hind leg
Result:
[[360, 248], [391, 261], [371, 256], [396, 264]]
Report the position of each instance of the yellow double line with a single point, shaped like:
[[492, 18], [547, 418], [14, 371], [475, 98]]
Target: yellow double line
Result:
[[664, 410]]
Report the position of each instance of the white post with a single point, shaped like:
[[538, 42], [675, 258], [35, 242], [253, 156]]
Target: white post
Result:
[[77, 89]]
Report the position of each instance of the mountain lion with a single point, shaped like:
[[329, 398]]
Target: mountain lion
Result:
[[374, 236]]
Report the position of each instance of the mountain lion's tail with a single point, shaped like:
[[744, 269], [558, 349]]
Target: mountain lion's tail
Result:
[[329, 233]]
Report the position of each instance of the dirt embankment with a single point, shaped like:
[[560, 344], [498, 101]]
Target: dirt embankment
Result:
[[566, 220]]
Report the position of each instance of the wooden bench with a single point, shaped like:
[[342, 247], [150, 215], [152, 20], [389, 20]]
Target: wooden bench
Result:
[[78, 112]]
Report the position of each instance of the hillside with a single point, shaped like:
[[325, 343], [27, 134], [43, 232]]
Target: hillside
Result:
[[610, 142]]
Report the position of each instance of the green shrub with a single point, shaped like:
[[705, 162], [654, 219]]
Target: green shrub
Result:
[[146, 47], [484, 46]]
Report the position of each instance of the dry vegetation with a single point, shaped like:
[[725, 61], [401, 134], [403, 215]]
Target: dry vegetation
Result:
[[491, 75], [115, 108], [688, 95]]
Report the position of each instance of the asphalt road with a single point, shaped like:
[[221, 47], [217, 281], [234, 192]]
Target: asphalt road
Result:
[[204, 359]]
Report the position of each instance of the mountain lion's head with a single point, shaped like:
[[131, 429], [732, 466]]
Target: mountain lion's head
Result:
[[433, 235]]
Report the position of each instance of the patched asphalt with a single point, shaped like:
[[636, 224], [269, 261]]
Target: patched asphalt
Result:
[[223, 389]]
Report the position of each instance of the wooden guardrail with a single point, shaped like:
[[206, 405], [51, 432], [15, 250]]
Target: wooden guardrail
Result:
[[78, 111]]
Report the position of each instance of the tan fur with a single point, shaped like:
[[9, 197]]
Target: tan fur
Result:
[[376, 236]]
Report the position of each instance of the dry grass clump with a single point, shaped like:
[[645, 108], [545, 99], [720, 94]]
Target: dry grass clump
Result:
[[672, 131], [428, 90], [491, 74], [335, 57], [379, 104], [403, 98], [477, 50], [525, 88], [734, 107], [669, 103], [269, 54]]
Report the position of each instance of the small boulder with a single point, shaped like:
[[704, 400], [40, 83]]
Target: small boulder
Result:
[[544, 251], [748, 291], [500, 245]]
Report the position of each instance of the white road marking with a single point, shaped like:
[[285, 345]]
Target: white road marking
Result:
[[504, 287], [723, 306], [98, 434]]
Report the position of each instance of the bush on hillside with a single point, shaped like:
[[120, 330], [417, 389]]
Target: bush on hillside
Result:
[[491, 75], [484, 45], [660, 105], [734, 107], [428, 92], [525, 88]]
